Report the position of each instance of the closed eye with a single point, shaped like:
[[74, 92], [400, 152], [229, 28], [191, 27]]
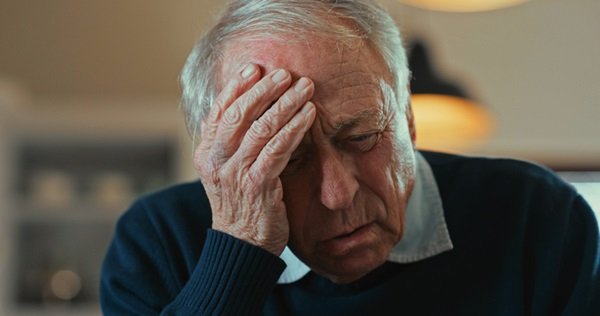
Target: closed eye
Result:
[[363, 142]]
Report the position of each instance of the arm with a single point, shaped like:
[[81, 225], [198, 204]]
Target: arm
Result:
[[564, 263], [580, 262], [247, 139], [138, 278]]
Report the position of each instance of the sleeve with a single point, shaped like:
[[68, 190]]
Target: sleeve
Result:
[[564, 262], [231, 277], [584, 299]]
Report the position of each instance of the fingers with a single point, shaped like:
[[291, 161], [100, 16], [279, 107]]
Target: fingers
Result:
[[236, 133], [275, 155], [247, 77], [264, 128], [247, 108]]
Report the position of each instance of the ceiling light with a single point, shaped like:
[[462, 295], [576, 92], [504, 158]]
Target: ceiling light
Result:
[[461, 5], [446, 118]]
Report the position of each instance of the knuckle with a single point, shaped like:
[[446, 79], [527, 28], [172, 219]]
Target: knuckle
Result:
[[253, 96], [284, 102], [274, 148], [292, 129], [258, 91], [288, 100], [259, 130], [279, 143], [232, 116], [255, 177]]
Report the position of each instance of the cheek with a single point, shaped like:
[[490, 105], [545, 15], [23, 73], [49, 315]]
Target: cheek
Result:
[[384, 166], [388, 170], [297, 198]]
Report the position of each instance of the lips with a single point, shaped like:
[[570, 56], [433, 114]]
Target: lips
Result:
[[348, 242], [348, 233]]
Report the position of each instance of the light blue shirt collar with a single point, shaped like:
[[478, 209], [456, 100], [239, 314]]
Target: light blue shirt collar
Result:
[[425, 230]]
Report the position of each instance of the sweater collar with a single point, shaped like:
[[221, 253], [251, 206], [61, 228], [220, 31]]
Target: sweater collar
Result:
[[425, 230]]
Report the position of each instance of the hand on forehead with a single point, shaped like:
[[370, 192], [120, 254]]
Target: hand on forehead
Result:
[[347, 78], [321, 60]]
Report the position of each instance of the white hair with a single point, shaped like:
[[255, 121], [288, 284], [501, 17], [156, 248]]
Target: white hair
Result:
[[345, 20]]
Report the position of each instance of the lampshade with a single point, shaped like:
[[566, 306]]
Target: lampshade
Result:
[[462, 5], [446, 118], [449, 123]]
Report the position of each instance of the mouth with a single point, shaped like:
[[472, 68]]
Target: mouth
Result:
[[348, 233], [348, 242]]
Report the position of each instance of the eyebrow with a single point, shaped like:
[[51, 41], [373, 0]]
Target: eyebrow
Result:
[[356, 119]]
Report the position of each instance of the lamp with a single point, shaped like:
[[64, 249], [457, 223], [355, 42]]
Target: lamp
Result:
[[446, 118], [461, 5]]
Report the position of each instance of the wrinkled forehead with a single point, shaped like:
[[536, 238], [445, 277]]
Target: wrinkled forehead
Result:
[[323, 60], [347, 77]]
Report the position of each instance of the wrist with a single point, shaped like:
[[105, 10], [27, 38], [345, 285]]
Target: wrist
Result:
[[274, 245]]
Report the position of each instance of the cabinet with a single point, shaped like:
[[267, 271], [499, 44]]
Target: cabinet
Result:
[[70, 173]]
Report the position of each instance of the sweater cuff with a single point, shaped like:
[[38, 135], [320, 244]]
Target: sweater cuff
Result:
[[232, 277]]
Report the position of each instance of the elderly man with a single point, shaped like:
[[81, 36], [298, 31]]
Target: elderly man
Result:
[[313, 199]]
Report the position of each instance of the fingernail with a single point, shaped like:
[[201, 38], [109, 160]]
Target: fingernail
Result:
[[248, 71], [307, 107], [301, 84], [280, 75]]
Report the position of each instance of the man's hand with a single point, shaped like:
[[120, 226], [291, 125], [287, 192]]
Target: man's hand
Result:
[[243, 152]]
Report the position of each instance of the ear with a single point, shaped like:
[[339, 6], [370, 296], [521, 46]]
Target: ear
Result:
[[410, 119]]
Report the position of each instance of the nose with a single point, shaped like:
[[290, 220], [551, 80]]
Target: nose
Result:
[[338, 185]]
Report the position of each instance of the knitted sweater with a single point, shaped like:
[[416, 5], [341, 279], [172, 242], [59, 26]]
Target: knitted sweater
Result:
[[525, 243]]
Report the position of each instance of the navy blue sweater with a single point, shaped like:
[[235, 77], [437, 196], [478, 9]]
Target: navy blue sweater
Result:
[[525, 243]]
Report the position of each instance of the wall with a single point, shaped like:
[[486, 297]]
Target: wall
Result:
[[104, 65], [536, 68], [533, 65]]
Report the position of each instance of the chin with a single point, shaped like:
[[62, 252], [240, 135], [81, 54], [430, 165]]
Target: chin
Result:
[[350, 269], [345, 279]]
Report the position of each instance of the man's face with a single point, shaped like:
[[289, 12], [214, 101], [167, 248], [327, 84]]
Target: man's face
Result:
[[347, 185]]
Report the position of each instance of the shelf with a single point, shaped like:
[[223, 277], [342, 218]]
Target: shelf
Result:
[[67, 217], [68, 253], [67, 193], [74, 211]]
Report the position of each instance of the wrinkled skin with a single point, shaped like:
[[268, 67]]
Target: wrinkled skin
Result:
[[331, 181]]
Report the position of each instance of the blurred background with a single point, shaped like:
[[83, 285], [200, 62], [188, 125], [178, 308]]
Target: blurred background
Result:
[[89, 115]]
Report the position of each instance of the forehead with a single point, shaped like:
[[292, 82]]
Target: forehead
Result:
[[346, 76], [321, 59]]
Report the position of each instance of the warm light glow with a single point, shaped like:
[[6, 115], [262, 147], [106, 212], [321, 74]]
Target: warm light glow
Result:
[[462, 5], [448, 123], [65, 284]]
